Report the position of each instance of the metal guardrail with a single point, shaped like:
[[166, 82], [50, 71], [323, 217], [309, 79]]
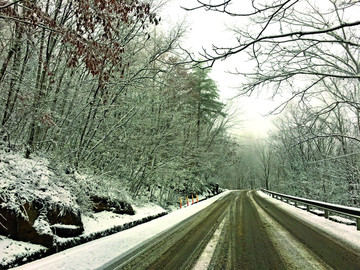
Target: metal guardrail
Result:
[[327, 207]]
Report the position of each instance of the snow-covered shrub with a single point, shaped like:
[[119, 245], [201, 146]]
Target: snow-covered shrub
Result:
[[28, 180]]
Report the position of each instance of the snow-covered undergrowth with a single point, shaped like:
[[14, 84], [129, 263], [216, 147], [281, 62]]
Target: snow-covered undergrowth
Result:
[[26, 180]]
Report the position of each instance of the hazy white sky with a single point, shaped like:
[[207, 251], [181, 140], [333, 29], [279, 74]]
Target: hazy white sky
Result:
[[207, 28]]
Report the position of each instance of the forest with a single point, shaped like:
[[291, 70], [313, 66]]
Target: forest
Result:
[[97, 87], [100, 87]]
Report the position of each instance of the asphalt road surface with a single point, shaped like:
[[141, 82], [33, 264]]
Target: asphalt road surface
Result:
[[241, 231]]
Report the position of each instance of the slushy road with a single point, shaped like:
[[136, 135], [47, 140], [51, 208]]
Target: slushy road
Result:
[[241, 231]]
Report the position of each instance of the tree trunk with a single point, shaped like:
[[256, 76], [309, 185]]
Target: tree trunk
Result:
[[16, 51], [34, 128]]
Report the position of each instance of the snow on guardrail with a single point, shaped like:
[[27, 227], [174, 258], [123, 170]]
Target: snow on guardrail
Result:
[[327, 207]]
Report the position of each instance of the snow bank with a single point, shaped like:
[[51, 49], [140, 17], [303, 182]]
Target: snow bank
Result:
[[28, 180], [103, 251], [106, 220], [10, 250]]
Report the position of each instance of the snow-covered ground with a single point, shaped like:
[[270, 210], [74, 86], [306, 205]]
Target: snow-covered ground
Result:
[[10, 250], [102, 251], [344, 233], [96, 223], [106, 220]]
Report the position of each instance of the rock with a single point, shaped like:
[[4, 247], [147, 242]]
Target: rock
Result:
[[62, 230], [21, 226], [99, 204], [65, 223], [123, 208], [115, 206], [64, 216], [17, 227]]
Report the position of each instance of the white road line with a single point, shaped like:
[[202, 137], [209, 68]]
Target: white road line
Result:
[[205, 258]]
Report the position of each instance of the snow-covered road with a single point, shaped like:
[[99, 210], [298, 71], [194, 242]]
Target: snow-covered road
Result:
[[237, 229], [245, 230]]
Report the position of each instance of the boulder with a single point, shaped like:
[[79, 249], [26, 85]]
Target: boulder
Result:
[[62, 230], [123, 208], [65, 223], [64, 216], [20, 226], [115, 206]]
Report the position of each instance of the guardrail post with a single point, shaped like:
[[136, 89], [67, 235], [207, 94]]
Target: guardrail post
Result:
[[308, 208], [326, 213], [296, 204], [358, 224]]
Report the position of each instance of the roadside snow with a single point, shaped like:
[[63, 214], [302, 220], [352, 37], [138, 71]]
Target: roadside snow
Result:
[[343, 233], [317, 212], [10, 249], [342, 220], [103, 251], [106, 220], [27, 180]]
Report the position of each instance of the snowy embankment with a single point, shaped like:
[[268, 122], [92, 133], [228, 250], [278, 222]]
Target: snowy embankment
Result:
[[95, 226], [340, 231], [103, 251], [27, 180]]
